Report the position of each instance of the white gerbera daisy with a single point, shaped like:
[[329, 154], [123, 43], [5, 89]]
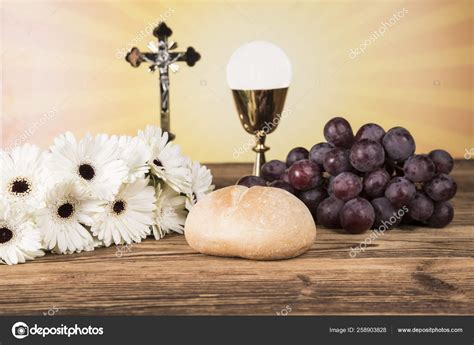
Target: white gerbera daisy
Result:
[[62, 222], [129, 216], [135, 153], [23, 175], [170, 214], [152, 135], [95, 161], [201, 183], [20, 240], [165, 160]]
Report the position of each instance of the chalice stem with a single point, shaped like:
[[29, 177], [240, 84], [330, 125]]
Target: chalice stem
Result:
[[260, 149]]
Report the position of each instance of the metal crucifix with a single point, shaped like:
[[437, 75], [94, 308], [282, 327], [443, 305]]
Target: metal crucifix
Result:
[[162, 58]]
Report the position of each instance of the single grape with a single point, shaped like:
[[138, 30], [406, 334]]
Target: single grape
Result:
[[441, 188], [273, 169], [337, 161], [421, 207], [442, 160], [375, 183], [250, 181], [386, 216], [318, 152], [282, 185], [296, 154], [443, 214], [400, 191], [304, 174], [367, 155], [312, 198], [370, 131], [346, 186], [398, 143], [338, 132], [327, 213], [357, 215], [419, 168]]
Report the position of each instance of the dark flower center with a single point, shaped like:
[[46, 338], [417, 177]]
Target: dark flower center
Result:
[[5, 235], [20, 186], [157, 162], [119, 207], [86, 171], [65, 210]]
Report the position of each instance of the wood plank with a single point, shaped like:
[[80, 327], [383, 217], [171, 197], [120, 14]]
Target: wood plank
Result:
[[171, 279], [412, 271]]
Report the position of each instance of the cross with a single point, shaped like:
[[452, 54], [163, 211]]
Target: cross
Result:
[[162, 58]]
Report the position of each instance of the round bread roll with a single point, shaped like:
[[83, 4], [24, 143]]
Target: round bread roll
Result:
[[261, 223]]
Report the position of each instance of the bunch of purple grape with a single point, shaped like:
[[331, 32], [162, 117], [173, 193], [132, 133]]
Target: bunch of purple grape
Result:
[[371, 180]]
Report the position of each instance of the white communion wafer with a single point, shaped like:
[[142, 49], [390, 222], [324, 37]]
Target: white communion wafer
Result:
[[261, 223]]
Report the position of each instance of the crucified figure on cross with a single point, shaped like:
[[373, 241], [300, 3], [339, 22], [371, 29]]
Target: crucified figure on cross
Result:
[[163, 58]]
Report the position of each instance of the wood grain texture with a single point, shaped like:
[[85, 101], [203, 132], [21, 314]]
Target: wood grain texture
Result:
[[417, 271]]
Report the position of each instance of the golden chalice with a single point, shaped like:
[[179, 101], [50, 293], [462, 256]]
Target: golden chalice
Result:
[[259, 74]]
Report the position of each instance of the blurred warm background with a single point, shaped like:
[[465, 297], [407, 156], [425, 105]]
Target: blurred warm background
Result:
[[62, 70]]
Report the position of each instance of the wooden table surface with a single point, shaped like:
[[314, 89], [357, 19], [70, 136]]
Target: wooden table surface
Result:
[[406, 271]]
